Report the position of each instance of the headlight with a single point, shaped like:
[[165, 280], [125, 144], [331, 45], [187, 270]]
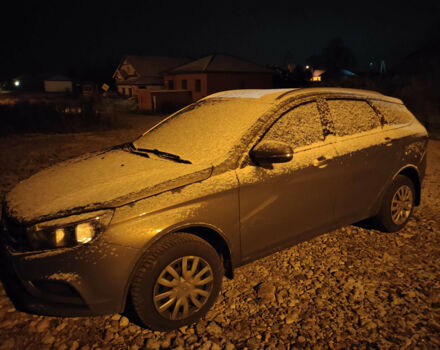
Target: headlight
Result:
[[68, 232]]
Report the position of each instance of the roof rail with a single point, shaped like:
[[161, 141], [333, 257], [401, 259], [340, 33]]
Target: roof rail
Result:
[[287, 92]]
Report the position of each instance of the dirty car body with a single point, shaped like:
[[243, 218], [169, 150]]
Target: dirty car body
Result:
[[249, 172]]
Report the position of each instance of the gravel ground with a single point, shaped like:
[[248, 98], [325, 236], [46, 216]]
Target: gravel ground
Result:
[[349, 288]]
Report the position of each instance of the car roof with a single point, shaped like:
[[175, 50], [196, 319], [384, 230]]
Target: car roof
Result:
[[277, 96]]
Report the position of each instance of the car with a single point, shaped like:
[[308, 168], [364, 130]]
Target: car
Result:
[[156, 223]]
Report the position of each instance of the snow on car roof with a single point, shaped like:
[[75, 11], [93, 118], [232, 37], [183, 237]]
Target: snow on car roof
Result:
[[254, 93], [278, 95]]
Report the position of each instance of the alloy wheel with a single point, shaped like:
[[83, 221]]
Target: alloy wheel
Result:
[[183, 287], [401, 204]]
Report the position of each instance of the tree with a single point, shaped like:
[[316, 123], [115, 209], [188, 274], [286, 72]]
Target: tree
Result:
[[335, 56]]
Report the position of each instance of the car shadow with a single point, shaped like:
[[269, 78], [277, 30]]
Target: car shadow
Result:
[[130, 313], [368, 224]]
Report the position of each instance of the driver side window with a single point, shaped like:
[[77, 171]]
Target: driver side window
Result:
[[300, 126]]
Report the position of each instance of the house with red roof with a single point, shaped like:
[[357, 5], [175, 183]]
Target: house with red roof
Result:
[[194, 80], [217, 72]]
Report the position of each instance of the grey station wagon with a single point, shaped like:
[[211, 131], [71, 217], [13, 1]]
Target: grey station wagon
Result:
[[157, 222]]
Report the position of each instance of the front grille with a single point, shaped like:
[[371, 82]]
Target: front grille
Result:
[[13, 232]]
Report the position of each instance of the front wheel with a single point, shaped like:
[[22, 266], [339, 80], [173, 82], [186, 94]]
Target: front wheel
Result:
[[397, 205], [177, 281]]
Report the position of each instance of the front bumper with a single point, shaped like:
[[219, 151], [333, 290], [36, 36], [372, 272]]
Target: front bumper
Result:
[[82, 281]]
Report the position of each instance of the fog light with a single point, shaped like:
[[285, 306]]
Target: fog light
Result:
[[84, 232]]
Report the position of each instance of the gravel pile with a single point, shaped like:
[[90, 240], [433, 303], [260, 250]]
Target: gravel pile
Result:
[[350, 288]]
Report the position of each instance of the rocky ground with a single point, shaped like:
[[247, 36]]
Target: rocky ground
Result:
[[349, 288]]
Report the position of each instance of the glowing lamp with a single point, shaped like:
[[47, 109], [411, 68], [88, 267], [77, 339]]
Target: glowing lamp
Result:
[[59, 236], [84, 232]]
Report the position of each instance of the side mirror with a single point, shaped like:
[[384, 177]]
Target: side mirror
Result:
[[267, 152]]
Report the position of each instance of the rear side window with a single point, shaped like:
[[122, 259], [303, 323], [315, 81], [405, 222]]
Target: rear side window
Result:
[[393, 113], [301, 126], [352, 116]]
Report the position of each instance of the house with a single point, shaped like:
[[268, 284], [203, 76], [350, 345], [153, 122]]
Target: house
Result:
[[136, 73], [217, 72], [317, 75], [58, 83]]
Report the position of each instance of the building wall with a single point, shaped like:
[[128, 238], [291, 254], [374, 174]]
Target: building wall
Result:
[[231, 81], [191, 81], [124, 89], [215, 82], [163, 99], [148, 87], [57, 86]]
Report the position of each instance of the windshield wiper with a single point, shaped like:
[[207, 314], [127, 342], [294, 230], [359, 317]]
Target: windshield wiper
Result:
[[161, 154]]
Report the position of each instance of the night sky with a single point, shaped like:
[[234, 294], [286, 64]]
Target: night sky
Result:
[[70, 36]]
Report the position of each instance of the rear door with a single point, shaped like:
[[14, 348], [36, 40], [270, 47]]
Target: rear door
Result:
[[396, 135], [284, 203], [363, 166]]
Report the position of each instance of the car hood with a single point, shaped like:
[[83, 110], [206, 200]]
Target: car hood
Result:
[[95, 181]]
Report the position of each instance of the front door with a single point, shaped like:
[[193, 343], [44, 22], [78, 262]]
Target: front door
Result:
[[288, 202]]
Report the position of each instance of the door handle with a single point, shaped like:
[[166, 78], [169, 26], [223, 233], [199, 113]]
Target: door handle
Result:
[[388, 141], [320, 162]]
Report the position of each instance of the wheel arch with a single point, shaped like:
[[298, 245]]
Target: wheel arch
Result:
[[207, 233], [216, 240], [412, 173]]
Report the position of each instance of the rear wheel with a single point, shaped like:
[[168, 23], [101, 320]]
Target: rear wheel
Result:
[[397, 205], [177, 281]]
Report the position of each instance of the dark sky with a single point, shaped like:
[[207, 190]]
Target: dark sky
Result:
[[64, 35]]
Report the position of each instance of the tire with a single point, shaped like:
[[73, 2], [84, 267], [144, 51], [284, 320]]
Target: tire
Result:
[[160, 283], [397, 205]]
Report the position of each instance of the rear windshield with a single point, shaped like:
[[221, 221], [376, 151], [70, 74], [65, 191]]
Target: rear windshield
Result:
[[206, 130]]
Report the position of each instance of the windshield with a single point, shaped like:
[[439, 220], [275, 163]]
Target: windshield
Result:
[[204, 131]]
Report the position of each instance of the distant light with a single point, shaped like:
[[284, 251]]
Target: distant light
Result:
[[307, 67], [17, 83]]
